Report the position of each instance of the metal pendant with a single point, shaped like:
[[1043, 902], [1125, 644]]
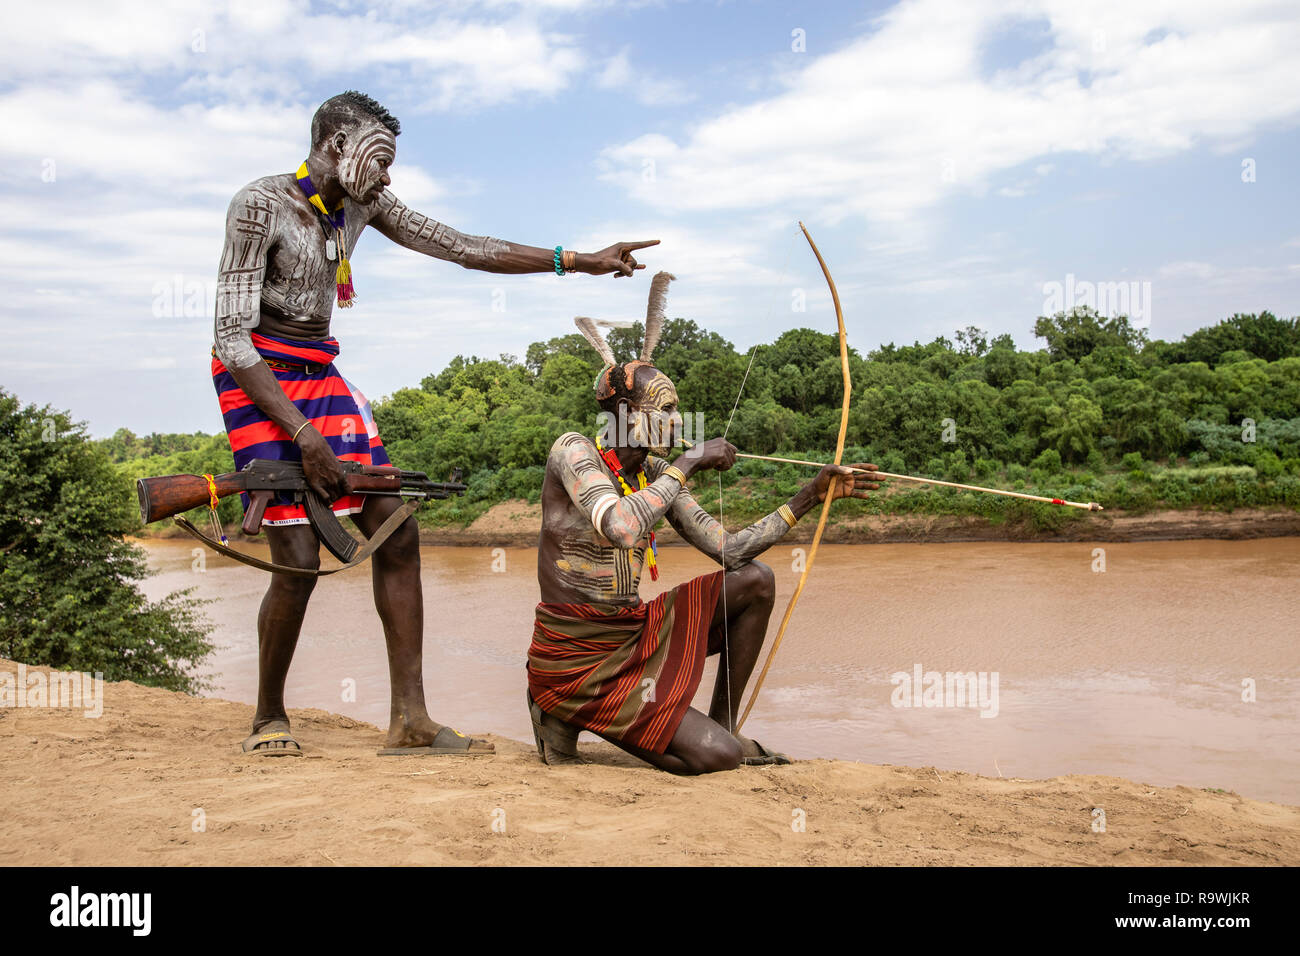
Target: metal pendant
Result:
[[331, 250]]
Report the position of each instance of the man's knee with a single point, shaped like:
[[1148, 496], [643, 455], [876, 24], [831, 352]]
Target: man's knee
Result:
[[757, 584], [719, 752], [290, 586], [294, 546], [403, 545]]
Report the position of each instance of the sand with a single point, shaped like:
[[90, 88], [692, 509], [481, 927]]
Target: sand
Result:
[[158, 780]]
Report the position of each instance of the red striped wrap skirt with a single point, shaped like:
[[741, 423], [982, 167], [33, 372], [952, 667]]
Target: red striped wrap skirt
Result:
[[338, 410], [626, 673]]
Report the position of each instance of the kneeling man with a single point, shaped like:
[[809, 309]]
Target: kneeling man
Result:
[[602, 659]]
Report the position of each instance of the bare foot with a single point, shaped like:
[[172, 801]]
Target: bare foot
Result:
[[557, 741]]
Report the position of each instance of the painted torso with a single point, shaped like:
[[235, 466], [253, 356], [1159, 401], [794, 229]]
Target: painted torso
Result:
[[576, 564], [278, 227]]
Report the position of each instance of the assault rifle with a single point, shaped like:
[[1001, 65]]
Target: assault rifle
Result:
[[263, 480]]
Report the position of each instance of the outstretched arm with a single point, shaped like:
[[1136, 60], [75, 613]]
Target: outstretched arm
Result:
[[732, 551], [426, 235]]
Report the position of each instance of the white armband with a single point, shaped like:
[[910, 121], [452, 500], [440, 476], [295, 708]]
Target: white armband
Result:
[[598, 513]]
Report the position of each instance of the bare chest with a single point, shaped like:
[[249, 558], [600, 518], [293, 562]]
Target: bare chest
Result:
[[577, 561], [301, 269]]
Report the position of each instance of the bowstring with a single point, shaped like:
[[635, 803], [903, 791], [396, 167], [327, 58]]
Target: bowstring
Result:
[[722, 527]]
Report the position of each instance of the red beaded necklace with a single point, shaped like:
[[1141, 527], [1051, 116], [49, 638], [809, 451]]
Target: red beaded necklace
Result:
[[616, 466]]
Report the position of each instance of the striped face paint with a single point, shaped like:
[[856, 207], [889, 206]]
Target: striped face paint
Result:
[[364, 160], [656, 420]]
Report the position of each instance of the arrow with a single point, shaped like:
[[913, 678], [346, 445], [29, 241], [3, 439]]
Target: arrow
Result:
[[1085, 505]]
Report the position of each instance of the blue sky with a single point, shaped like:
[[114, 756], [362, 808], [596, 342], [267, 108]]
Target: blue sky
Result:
[[952, 159]]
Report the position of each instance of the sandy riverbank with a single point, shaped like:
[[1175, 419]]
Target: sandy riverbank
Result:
[[127, 788]]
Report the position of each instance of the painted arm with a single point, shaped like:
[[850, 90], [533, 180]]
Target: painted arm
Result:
[[250, 233], [624, 521], [701, 529], [426, 235], [705, 532]]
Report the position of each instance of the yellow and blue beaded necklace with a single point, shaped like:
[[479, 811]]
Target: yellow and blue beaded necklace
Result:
[[343, 274]]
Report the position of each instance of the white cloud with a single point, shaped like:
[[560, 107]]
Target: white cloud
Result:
[[647, 89], [150, 137], [894, 121], [1188, 270], [270, 46], [98, 131], [1247, 278]]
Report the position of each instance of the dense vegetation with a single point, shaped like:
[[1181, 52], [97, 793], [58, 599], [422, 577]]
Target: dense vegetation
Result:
[[68, 594], [1101, 413]]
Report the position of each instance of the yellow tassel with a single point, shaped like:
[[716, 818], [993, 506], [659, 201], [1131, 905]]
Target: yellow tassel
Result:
[[343, 280]]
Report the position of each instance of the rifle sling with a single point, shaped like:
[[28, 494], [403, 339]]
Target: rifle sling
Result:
[[385, 531]]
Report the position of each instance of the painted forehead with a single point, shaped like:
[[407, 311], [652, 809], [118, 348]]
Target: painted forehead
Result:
[[371, 143], [656, 391]]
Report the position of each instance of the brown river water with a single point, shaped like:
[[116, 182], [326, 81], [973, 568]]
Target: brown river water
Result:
[[1138, 670]]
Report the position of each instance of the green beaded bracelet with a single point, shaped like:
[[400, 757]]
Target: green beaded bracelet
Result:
[[559, 269]]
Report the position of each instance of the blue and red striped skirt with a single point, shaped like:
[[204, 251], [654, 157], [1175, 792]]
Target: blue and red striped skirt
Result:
[[306, 372]]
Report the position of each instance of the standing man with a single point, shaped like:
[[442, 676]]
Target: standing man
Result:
[[284, 263]]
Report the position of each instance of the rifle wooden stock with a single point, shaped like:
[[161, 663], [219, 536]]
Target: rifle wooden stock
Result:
[[175, 494], [262, 479]]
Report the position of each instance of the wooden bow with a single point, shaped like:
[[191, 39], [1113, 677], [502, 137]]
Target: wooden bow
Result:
[[830, 490]]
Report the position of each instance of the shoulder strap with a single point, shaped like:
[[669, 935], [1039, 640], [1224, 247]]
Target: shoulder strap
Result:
[[384, 532]]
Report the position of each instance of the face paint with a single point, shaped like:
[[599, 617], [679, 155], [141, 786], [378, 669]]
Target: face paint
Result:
[[364, 160], [637, 429], [659, 418]]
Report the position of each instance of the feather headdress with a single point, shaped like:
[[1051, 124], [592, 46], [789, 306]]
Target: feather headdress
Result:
[[654, 322]]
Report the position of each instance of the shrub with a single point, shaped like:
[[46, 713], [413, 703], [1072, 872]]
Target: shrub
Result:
[[68, 579]]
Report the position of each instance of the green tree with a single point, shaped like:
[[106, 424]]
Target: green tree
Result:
[[1097, 391], [972, 341], [1263, 336], [68, 580], [1074, 430], [1082, 330]]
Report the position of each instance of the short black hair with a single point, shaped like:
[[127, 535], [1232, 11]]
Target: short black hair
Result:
[[340, 110]]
